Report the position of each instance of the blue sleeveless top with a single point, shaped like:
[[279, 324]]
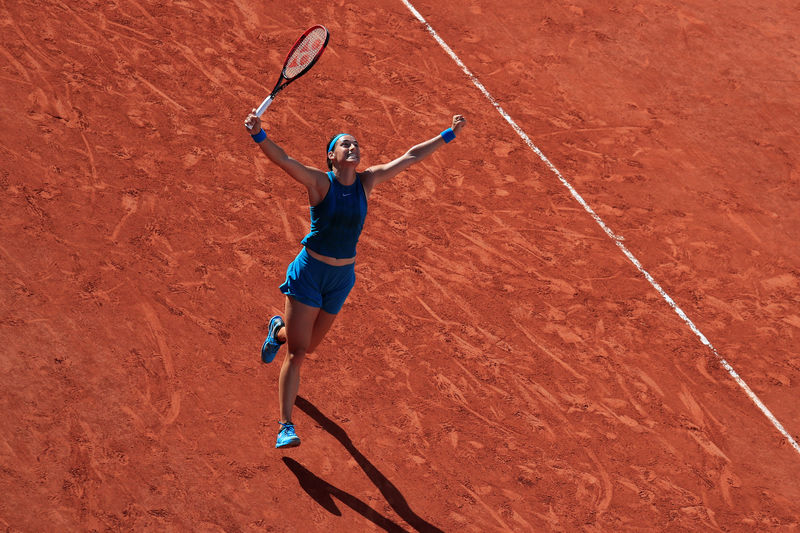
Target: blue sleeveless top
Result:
[[337, 221]]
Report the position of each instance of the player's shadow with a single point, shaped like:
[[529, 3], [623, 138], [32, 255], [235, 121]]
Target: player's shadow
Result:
[[323, 492]]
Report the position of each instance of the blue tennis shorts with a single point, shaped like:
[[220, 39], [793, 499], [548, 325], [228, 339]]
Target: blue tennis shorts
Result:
[[318, 284]]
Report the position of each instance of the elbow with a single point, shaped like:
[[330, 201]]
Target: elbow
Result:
[[280, 159], [413, 155]]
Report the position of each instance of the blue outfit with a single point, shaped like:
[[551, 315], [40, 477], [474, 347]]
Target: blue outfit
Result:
[[336, 224]]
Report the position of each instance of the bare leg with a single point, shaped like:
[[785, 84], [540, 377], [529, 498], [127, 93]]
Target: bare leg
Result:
[[306, 326], [321, 327]]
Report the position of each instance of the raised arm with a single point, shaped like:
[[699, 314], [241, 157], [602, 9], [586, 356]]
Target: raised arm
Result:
[[380, 173], [313, 179]]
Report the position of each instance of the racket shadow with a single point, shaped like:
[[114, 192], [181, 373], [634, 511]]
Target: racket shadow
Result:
[[322, 491]]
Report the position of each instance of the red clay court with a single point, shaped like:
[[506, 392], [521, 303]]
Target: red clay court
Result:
[[501, 365]]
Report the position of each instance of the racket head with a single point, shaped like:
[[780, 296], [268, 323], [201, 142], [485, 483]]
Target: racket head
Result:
[[305, 52]]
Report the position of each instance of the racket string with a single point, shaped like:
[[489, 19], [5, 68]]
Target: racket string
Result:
[[305, 52]]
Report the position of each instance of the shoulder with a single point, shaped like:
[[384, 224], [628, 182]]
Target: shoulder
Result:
[[319, 190], [367, 180]]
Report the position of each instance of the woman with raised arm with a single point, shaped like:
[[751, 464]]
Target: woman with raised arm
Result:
[[323, 273]]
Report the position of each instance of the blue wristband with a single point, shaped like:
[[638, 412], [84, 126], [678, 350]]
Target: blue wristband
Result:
[[448, 135], [260, 136]]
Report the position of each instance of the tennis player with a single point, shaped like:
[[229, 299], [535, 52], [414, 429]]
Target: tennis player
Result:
[[323, 273]]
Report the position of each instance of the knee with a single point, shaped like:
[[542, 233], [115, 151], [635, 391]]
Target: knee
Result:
[[295, 356]]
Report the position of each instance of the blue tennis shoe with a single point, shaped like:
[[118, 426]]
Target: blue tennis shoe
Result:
[[287, 438], [270, 347]]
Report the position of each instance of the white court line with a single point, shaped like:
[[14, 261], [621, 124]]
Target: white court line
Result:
[[616, 238]]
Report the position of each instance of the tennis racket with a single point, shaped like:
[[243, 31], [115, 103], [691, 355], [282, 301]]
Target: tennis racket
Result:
[[305, 52]]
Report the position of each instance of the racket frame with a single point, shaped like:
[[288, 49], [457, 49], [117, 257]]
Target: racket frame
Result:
[[283, 80]]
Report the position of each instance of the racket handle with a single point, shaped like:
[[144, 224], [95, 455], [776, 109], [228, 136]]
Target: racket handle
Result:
[[264, 105]]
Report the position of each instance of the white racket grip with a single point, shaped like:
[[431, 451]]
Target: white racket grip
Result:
[[264, 105]]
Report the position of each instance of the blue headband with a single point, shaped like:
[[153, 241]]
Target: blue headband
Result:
[[333, 142]]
